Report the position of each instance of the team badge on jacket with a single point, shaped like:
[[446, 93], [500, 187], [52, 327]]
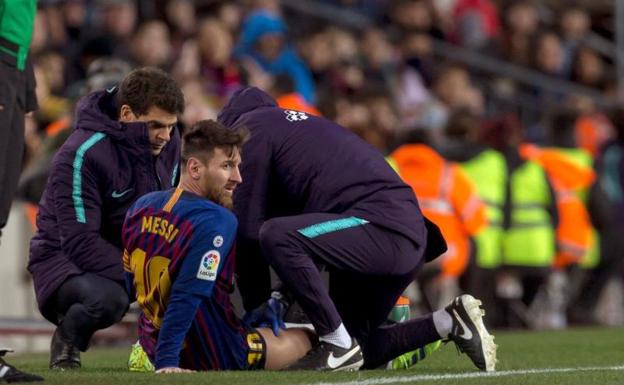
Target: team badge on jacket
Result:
[[295, 116]]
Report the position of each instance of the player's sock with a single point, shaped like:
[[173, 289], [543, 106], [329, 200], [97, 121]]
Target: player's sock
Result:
[[443, 322], [339, 337], [389, 341]]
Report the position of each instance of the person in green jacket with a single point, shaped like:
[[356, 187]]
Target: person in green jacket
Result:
[[17, 97]]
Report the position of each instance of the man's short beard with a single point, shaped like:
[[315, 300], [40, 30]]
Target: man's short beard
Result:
[[218, 196], [226, 201]]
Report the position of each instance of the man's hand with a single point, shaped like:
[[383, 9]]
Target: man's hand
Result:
[[172, 369], [270, 315]]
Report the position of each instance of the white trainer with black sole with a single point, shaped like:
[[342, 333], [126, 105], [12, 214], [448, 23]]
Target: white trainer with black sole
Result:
[[469, 333], [332, 358]]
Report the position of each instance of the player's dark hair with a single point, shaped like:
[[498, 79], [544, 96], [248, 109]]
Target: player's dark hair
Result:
[[205, 136], [149, 87]]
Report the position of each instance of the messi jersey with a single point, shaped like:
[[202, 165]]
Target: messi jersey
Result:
[[178, 258]]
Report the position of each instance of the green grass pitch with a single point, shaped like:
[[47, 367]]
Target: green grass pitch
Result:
[[580, 356]]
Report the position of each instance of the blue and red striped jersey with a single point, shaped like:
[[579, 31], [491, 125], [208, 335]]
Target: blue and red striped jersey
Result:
[[179, 261]]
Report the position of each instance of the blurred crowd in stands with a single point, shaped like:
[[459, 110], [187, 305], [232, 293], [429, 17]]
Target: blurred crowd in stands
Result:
[[530, 77]]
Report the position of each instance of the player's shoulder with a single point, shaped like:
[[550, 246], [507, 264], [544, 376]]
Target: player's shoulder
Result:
[[151, 199], [204, 210]]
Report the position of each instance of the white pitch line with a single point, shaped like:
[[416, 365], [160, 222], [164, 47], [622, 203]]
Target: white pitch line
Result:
[[503, 373]]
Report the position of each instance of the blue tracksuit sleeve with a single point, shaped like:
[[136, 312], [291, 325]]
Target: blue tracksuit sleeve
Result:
[[180, 313], [195, 282]]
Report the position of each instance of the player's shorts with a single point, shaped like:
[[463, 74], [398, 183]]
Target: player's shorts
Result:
[[256, 356]]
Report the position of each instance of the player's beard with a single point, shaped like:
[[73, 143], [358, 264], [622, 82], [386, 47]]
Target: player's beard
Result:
[[220, 196]]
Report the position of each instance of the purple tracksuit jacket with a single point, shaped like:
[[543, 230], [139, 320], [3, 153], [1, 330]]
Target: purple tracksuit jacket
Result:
[[102, 168], [296, 163]]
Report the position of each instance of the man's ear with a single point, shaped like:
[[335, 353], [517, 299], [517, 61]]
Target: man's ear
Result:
[[126, 115], [192, 168]]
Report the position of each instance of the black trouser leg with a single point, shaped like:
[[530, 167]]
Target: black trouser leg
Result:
[[87, 303], [11, 142]]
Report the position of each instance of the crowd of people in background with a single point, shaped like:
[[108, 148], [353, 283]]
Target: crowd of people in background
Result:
[[389, 84]]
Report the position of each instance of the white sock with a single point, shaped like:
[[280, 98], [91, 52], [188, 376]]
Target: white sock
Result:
[[443, 322], [339, 337]]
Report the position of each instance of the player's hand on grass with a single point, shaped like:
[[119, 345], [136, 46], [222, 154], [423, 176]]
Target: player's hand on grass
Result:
[[268, 315], [173, 370]]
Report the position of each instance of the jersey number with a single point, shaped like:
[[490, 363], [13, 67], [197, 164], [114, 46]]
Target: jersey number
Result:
[[152, 284]]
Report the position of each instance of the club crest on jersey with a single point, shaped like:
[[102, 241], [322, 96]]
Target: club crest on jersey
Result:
[[209, 266], [217, 241], [295, 116]]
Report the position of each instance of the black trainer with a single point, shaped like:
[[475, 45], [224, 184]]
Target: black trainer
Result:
[[469, 333], [63, 355], [329, 357], [10, 374]]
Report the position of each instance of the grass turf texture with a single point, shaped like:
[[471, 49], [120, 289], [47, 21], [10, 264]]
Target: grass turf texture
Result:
[[518, 351]]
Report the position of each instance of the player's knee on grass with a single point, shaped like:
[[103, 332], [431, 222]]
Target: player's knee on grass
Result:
[[287, 348]]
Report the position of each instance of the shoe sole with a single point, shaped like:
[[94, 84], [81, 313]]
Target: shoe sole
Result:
[[351, 367], [473, 308]]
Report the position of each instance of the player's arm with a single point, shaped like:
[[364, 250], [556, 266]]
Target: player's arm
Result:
[[179, 315], [195, 282], [128, 275], [78, 205]]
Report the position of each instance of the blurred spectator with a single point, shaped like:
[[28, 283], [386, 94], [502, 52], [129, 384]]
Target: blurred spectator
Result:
[[180, 14], [151, 45], [547, 54], [346, 75], [119, 19], [574, 25], [370, 114], [48, 72], [56, 28], [412, 80], [52, 64], [452, 90], [380, 56], [41, 34], [316, 50], [231, 15], [264, 40], [547, 57], [588, 68], [344, 44], [416, 52], [75, 18], [520, 23], [198, 105], [220, 75], [414, 16], [475, 23]]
